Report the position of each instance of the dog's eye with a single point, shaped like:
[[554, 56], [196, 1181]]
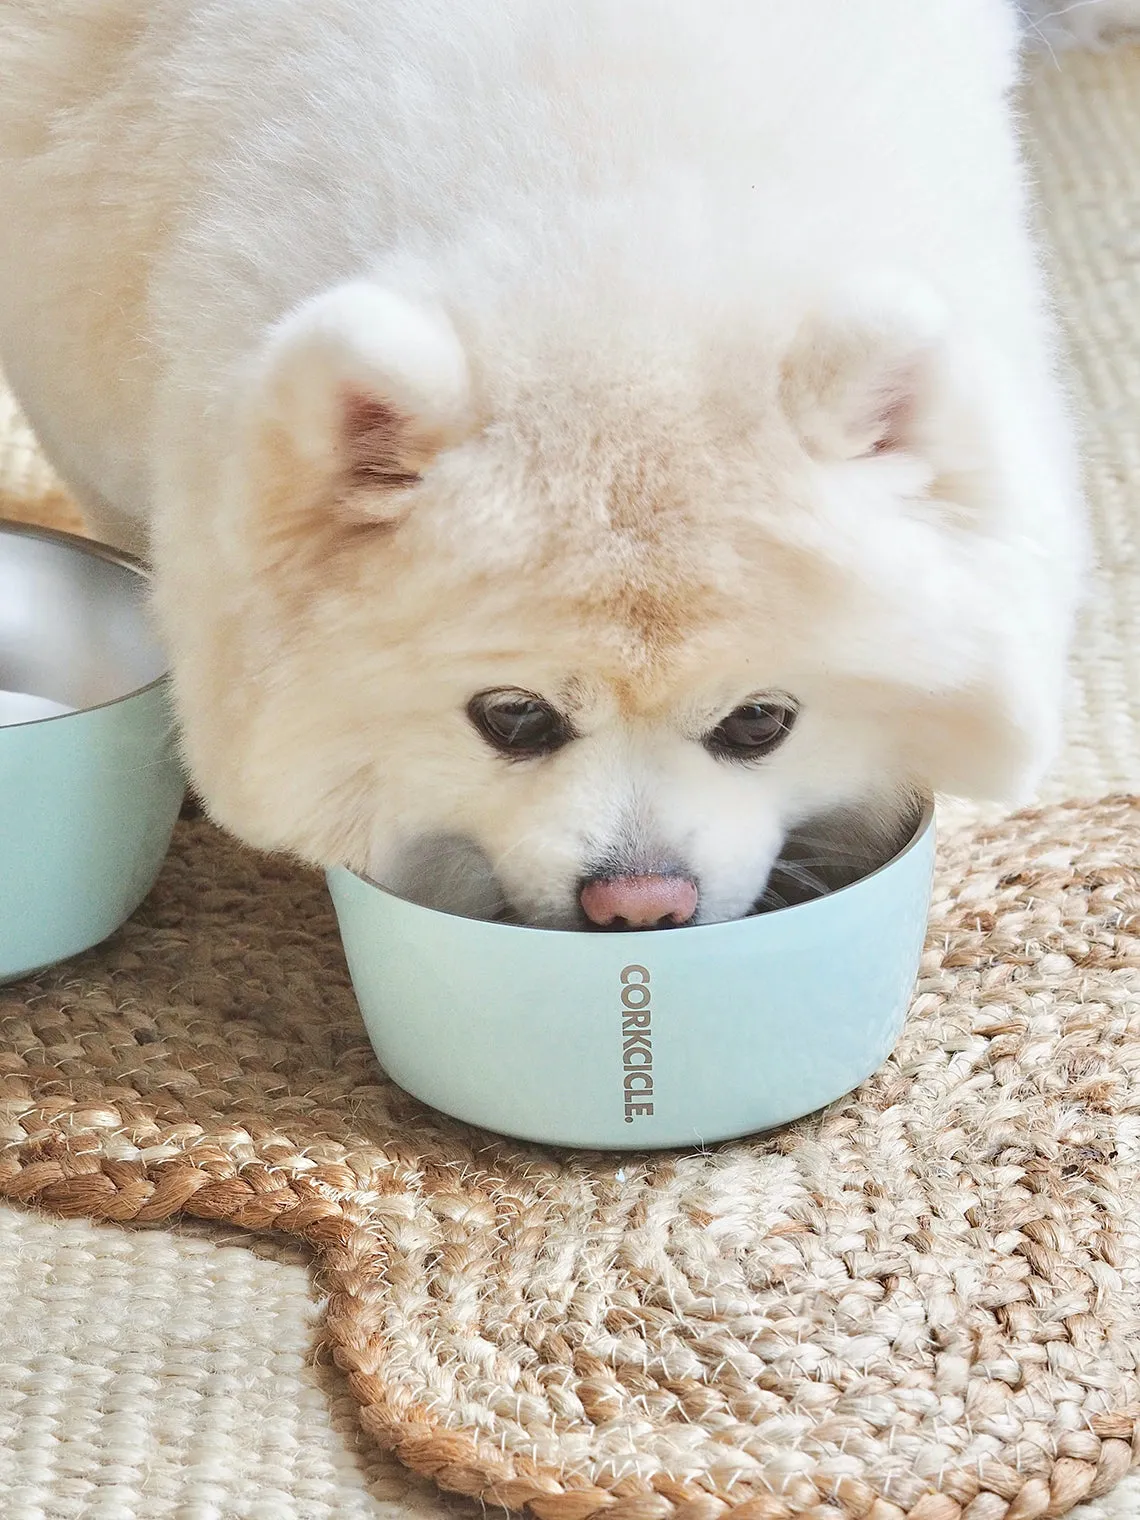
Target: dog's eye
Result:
[[752, 731], [518, 723]]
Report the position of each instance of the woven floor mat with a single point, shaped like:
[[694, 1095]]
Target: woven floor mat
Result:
[[923, 1303]]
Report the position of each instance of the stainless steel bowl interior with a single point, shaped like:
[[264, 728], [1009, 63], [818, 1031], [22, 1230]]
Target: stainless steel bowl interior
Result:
[[74, 625]]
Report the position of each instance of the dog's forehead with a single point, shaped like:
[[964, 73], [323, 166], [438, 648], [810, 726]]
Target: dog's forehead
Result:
[[637, 552], [649, 618], [634, 454], [644, 647], [650, 623]]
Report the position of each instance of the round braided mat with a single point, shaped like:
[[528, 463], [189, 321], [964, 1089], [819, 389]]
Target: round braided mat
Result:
[[923, 1303]]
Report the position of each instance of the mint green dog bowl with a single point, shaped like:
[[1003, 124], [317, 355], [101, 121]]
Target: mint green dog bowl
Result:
[[90, 784], [636, 1041]]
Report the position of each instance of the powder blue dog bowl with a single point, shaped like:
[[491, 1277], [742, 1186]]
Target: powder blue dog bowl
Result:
[[636, 1041], [90, 784]]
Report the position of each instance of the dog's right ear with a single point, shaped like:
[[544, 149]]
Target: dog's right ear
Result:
[[353, 396]]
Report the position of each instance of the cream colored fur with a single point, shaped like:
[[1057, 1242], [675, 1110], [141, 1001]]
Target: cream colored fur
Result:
[[722, 366]]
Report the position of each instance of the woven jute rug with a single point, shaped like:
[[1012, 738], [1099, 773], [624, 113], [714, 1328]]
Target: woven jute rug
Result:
[[924, 1302]]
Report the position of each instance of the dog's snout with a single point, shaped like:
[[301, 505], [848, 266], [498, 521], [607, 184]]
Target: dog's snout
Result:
[[639, 902]]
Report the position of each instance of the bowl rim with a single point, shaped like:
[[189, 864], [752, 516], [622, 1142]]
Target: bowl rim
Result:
[[96, 549], [923, 826]]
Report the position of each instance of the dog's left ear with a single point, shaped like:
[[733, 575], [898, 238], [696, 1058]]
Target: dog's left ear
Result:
[[862, 374], [352, 397]]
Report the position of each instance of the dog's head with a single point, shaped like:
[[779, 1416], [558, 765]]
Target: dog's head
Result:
[[586, 640]]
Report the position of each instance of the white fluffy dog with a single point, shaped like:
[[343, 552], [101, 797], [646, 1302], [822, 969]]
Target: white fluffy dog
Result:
[[579, 442]]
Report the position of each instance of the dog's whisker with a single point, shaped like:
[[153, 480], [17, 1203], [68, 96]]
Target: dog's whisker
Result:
[[511, 849], [814, 881]]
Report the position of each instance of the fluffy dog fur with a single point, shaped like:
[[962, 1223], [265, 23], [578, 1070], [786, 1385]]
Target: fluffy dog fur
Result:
[[643, 354], [1080, 23]]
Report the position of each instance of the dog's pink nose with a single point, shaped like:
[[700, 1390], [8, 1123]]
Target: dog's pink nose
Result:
[[639, 902]]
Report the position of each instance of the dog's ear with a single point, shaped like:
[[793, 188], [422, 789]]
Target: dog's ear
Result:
[[353, 396], [862, 375]]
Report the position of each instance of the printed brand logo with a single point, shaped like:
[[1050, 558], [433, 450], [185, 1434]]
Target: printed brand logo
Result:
[[637, 1043]]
